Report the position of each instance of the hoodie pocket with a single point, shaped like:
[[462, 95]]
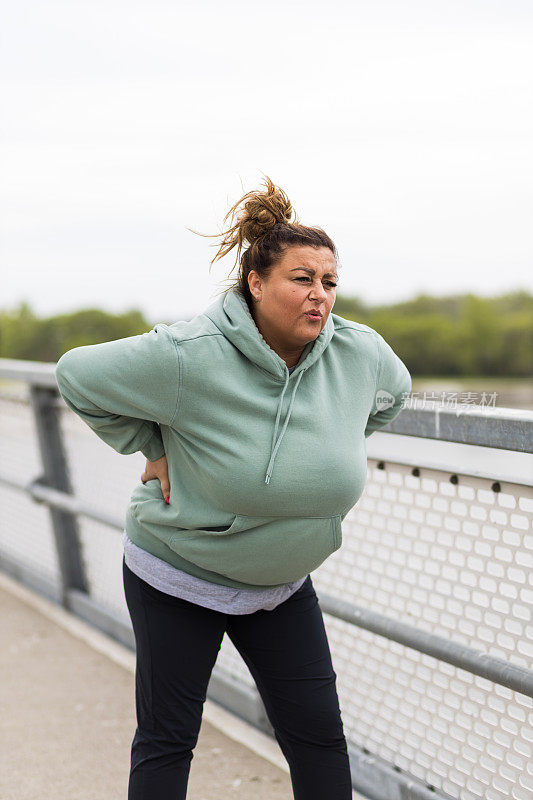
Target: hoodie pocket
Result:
[[262, 550]]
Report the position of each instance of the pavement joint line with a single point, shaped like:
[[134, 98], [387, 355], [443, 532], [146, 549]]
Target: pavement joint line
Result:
[[230, 725]]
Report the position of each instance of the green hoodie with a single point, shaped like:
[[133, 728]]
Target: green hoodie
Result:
[[263, 465]]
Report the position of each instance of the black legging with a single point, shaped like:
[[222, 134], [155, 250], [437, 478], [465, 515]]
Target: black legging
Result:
[[288, 655]]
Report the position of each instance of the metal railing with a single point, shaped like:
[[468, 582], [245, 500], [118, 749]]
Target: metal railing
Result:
[[411, 506]]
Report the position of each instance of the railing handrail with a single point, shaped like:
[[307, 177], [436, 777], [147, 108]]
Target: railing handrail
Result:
[[38, 373]]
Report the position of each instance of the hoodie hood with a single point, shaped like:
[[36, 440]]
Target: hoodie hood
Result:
[[231, 315]]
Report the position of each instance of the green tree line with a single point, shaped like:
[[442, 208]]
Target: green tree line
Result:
[[461, 334]]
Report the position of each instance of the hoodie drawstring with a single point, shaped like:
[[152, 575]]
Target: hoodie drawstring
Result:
[[275, 448]]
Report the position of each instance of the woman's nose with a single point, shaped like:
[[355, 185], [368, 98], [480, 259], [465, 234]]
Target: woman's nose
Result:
[[319, 292]]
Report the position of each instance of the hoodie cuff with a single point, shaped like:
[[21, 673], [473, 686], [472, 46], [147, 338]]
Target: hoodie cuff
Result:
[[153, 447]]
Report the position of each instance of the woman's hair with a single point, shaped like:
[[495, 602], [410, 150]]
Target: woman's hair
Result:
[[265, 224]]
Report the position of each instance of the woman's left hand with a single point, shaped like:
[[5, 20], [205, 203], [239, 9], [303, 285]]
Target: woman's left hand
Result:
[[158, 469]]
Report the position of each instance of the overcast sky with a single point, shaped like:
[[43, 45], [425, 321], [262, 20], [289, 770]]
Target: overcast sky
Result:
[[404, 129]]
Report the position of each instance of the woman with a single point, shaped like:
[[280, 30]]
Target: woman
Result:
[[253, 417]]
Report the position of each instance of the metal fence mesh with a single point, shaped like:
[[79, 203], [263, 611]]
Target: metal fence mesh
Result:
[[454, 560]]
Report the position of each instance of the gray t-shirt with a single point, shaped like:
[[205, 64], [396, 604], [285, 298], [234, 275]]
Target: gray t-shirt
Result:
[[173, 581]]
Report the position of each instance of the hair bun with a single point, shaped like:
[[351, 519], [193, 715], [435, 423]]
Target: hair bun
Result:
[[261, 210]]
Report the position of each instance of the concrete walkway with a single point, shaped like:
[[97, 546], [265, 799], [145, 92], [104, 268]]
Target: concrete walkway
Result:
[[67, 716]]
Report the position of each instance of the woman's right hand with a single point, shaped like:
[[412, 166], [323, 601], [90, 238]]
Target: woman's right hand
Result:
[[158, 470]]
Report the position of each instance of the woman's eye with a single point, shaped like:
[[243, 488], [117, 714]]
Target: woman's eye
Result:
[[304, 278]]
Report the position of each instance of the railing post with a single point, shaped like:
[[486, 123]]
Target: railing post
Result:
[[55, 475]]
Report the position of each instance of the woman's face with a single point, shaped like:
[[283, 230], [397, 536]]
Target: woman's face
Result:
[[304, 279]]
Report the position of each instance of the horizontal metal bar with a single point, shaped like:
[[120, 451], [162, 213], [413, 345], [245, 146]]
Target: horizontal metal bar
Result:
[[38, 373], [376, 778], [239, 698], [486, 666], [66, 502], [511, 469], [503, 428], [42, 584], [87, 608]]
